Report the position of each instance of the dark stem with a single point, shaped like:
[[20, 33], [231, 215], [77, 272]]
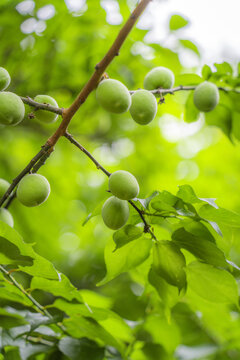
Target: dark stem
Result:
[[39, 106]]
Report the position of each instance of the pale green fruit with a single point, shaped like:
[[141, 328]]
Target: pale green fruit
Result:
[[44, 115], [123, 185], [6, 217], [206, 96], [159, 78], [12, 109], [115, 213], [144, 107], [33, 190], [113, 96], [5, 79], [4, 185]]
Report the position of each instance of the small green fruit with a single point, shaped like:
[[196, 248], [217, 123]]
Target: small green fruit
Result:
[[4, 185], [6, 217], [113, 96], [33, 190], [123, 185], [5, 79], [159, 78], [11, 108], [43, 115], [144, 107], [115, 213], [206, 96]]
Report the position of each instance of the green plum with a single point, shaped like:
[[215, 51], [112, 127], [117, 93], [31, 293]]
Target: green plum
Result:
[[6, 217], [12, 109], [159, 78], [115, 213], [43, 115], [123, 185], [144, 107], [5, 79], [33, 190], [4, 185], [206, 96], [113, 96]]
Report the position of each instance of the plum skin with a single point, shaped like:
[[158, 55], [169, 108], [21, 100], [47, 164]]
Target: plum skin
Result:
[[33, 190], [206, 96], [144, 107], [123, 185], [5, 79], [4, 185], [159, 78], [6, 217], [45, 116], [12, 109], [113, 96], [115, 212]]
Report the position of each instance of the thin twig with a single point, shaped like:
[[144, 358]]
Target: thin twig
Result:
[[26, 170], [86, 152], [183, 88], [147, 227], [39, 106]]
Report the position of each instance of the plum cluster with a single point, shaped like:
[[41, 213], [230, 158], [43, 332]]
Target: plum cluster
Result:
[[115, 211], [32, 190], [12, 109], [114, 96]]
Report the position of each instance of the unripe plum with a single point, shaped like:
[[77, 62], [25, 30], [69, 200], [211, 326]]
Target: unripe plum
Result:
[[123, 185], [43, 115], [144, 107], [4, 185], [33, 190], [6, 217], [5, 79], [159, 78], [113, 96], [12, 109], [206, 96], [115, 213]]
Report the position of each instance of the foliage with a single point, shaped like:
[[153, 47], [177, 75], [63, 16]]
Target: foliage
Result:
[[162, 288]]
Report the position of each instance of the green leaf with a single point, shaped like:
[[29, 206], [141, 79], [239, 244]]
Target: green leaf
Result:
[[126, 234], [212, 284], [169, 263], [39, 265], [191, 113], [9, 320], [168, 293], [224, 68], [190, 45], [221, 117], [79, 327], [221, 216], [188, 79], [125, 258], [177, 22], [83, 349], [61, 287], [200, 247], [145, 202], [206, 72], [94, 213], [187, 194]]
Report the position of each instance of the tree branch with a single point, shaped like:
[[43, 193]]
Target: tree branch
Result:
[[42, 152], [39, 106], [99, 70], [147, 227]]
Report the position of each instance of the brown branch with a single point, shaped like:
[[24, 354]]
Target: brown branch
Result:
[[183, 88], [86, 152], [147, 227], [39, 106], [26, 170], [99, 70]]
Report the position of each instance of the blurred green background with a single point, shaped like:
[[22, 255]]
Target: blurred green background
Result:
[[48, 48]]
